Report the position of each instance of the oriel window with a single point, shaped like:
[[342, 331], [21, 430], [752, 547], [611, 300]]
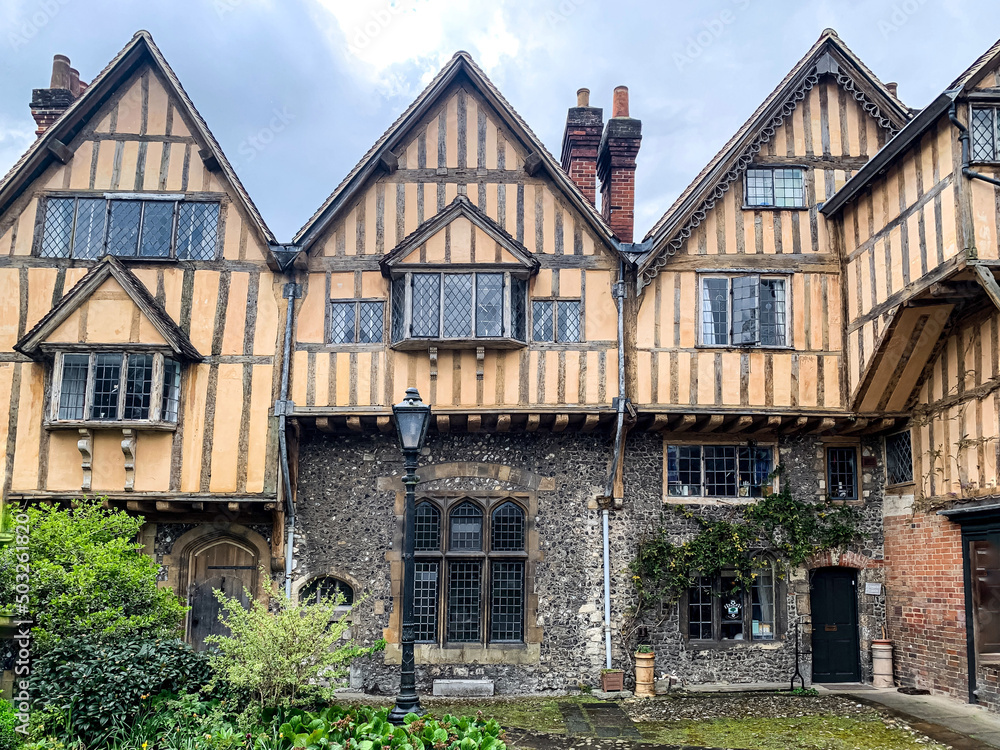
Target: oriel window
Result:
[[985, 134]]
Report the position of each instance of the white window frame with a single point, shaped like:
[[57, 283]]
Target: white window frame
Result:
[[729, 344], [156, 393]]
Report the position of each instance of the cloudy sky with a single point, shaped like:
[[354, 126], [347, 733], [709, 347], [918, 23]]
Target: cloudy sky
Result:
[[297, 90]]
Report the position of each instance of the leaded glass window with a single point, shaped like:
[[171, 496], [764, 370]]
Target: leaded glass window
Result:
[[720, 609], [775, 187], [898, 458], [985, 134], [718, 470], [475, 574], [458, 306], [556, 321], [89, 227], [842, 472], [327, 588], [115, 386], [744, 310], [342, 322]]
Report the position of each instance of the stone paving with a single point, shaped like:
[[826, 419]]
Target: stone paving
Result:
[[519, 739], [960, 725]]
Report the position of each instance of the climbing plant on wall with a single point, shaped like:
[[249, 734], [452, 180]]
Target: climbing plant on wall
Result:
[[776, 526]]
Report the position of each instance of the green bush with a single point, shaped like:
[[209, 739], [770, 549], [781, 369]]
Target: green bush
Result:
[[9, 738], [97, 689], [275, 655], [89, 578], [366, 728]]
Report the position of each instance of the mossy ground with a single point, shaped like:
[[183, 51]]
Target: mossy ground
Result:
[[864, 729]]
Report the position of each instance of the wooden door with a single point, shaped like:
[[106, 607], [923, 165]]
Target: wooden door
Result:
[[835, 643], [223, 566]]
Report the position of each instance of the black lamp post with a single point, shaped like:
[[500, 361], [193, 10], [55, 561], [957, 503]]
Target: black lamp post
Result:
[[412, 418]]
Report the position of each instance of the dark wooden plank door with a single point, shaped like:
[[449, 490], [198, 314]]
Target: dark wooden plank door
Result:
[[835, 645], [224, 567]]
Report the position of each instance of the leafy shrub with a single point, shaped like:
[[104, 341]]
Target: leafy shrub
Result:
[[367, 728], [89, 577], [99, 688], [275, 655], [8, 721]]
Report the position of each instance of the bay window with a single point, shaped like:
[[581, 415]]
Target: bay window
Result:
[[116, 387], [474, 306]]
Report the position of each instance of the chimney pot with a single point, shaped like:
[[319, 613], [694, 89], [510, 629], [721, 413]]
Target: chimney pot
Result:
[[583, 97], [620, 106], [74, 82], [892, 86], [61, 74]]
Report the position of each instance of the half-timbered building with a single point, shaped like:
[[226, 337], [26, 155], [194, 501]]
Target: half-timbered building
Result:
[[821, 297]]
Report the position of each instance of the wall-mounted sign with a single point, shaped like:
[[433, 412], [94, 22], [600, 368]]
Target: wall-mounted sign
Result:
[[875, 589]]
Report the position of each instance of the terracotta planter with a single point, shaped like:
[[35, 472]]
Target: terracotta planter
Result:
[[645, 675], [612, 681]]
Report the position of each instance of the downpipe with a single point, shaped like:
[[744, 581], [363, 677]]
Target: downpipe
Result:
[[291, 293], [609, 489], [963, 137]]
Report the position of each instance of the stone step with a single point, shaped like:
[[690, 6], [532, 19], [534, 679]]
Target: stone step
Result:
[[463, 688]]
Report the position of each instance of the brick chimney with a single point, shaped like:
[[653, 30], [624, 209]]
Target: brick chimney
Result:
[[581, 138], [64, 88], [616, 167]]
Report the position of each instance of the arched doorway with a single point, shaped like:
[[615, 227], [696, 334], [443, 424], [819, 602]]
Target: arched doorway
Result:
[[835, 640], [224, 565]]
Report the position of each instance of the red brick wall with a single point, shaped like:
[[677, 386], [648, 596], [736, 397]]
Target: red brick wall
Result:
[[926, 602]]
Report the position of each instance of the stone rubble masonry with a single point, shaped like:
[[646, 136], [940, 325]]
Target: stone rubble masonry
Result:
[[347, 527], [925, 580]]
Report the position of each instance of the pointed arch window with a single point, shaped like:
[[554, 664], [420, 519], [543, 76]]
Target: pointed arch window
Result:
[[471, 573]]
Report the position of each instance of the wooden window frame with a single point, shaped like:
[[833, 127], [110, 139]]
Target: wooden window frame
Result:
[[155, 419], [777, 275], [974, 105], [667, 444], [858, 498], [554, 301], [506, 340], [487, 503], [717, 642], [885, 452], [108, 197], [357, 302], [772, 168]]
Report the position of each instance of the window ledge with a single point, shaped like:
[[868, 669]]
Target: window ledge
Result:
[[101, 424], [418, 344], [775, 208], [747, 347], [771, 645], [470, 653]]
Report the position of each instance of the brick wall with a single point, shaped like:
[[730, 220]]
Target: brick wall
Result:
[[926, 602]]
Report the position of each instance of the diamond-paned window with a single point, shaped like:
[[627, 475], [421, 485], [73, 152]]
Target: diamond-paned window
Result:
[[342, 322], [985, 134], [842, 472], [116, 386], [568, 321], [197, 231], [898, 458], [476, 577], [58, 228], [457, 305], [718, 470], [543, 320], [370, 322], [744, 310], [461, 306], [90, 227], [489, 304], [768, 187], [355, 322]]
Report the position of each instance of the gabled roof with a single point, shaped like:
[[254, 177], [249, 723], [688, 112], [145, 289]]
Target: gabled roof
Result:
[[926, 119], [140, 49], [461, 65], [460, 207], [829, 55], [30, 344]]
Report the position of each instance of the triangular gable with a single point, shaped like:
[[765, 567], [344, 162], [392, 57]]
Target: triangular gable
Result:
[[459, 209], [141, 49], [380, 157], [828, 56], [972, 75], [167, 332]]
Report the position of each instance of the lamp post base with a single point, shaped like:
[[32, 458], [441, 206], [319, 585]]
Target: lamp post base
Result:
[[405, 705]]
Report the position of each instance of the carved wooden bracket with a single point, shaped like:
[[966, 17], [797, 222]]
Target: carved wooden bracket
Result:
[[85, 444], [433, 354], [128, 448], [480, 358]]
